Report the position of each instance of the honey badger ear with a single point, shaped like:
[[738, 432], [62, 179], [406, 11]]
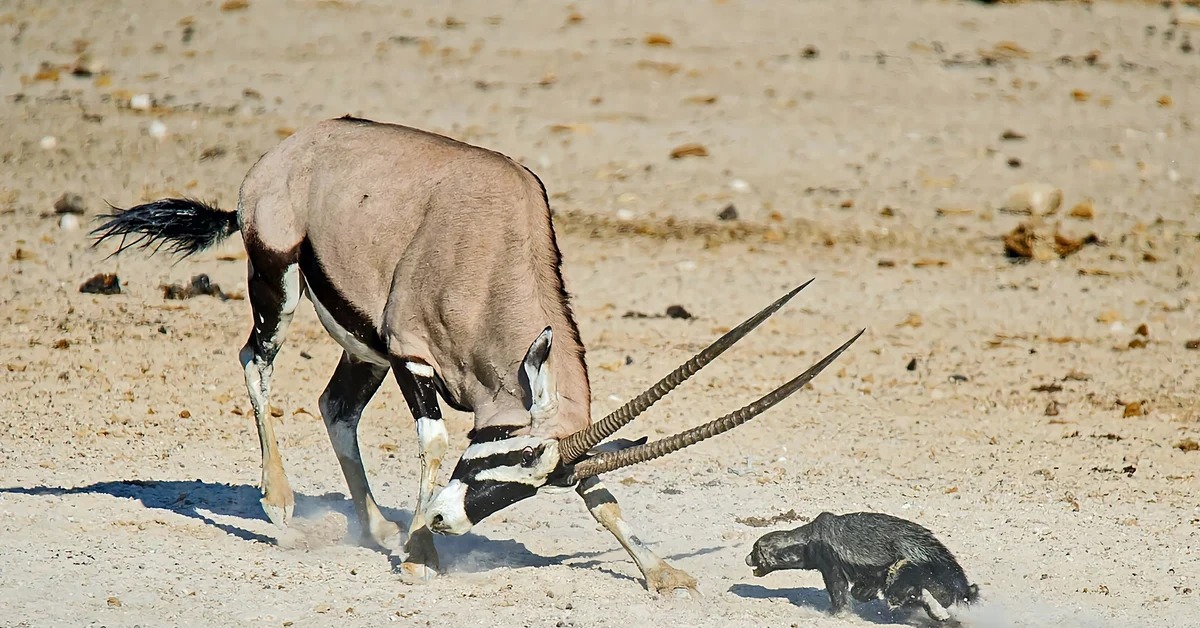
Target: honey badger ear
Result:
[[543, 394]]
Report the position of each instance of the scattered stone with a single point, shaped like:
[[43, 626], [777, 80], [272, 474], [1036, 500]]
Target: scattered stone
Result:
[[729, 213], [157, 130], [1032, 199], [689, 150], [101, 283], [69, 204], [68, 222], [1132, 409], [790, 516], [141, 102], [658, 39], [48, 142], [677, 311], [912, 365], [1048, 388], [1010, 135], [1083, 210], [199, 285], [1032, 239], [1187, 444], [810, 52], [1192, 344], [1051, 408], [212, 153]]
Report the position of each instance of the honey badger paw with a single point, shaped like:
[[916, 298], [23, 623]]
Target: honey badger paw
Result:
[[667, 579]]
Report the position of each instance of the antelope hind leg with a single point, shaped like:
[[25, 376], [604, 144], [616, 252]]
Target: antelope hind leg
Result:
[[660, 576], [353, 384], [273, 291]]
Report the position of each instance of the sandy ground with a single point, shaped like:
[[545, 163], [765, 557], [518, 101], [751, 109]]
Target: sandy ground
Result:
[[988, 399]]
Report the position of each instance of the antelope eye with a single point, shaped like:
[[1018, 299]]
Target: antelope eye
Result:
[[528, 457]]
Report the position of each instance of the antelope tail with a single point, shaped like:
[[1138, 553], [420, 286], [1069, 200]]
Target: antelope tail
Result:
[[185, 226]]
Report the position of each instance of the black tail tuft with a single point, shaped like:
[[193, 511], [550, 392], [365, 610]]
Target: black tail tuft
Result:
[[186, 226]]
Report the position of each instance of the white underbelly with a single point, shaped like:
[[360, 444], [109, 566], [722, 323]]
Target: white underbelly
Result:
[[352, 345]]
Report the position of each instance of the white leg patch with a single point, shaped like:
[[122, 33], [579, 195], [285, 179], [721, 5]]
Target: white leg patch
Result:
[[432, 435], [420, 370], [291, 290], [254, 381], [344, 338]]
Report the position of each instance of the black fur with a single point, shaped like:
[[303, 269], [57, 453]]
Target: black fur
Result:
[[878, 553], [186, 226]]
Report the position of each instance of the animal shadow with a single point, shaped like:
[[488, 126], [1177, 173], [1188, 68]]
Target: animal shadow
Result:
[[202, 501], [875, 612]]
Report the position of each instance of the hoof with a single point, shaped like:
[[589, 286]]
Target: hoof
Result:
[[676, 582], [278, 511], [380, 534], [416, 573]]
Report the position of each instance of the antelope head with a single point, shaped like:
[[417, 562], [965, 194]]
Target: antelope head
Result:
[[499, 469]]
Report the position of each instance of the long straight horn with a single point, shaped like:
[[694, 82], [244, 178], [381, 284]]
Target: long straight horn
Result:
[[577, 444], [605, 462]]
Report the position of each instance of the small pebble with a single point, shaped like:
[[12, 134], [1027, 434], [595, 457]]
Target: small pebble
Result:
[[1036, 199], [729, 213], [739, 185], [624, 214], [140, 102], [68, 222], [158, 130], [48, 143]]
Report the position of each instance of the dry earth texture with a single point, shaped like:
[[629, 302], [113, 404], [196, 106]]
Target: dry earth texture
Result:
[[1032, 400]]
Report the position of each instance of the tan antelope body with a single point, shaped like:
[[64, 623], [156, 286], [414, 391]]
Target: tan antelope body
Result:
[[435, 260]]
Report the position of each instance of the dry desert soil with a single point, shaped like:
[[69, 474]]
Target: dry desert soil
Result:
[[1039, 415]]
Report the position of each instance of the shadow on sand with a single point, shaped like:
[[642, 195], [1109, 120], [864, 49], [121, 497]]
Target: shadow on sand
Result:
[[875, 612], [197, 499]]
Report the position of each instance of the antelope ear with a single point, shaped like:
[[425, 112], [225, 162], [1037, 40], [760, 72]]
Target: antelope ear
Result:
[[543, 394]]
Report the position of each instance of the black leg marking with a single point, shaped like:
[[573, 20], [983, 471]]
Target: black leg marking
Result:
[[350, 388], [418, 382], [273, 289]]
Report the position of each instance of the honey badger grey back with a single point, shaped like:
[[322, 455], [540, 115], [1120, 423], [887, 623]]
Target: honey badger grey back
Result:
[[877, 552]]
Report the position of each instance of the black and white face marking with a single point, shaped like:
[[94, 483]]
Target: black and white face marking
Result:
[[490, 476], [499, 469]]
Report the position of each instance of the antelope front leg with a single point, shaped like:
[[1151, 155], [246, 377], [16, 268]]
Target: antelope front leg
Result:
[[417, 383], [660, 576]]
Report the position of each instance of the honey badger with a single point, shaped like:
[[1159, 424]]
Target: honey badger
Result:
[[883, 556]]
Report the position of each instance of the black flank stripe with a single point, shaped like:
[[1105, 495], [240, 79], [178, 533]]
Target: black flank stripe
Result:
[[346, 315]]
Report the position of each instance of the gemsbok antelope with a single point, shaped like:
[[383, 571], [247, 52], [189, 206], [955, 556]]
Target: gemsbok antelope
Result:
[[436, 260]]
